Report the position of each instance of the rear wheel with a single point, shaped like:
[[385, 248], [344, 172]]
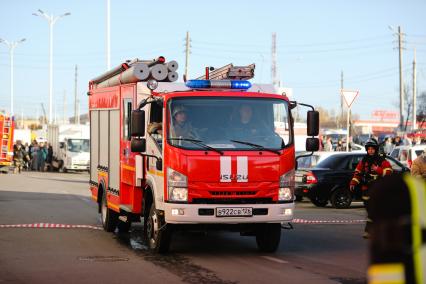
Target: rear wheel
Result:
[[341, 198], [157, 233], [268, 237], [109, 217], [319, 201]]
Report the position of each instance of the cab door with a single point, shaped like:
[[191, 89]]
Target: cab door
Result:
[[127, 158]]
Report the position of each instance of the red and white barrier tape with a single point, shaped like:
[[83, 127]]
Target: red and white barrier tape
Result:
[[50, 226], [304, 221]]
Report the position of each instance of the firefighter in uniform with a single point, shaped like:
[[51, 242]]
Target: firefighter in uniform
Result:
[[19, 157], [371, 168], [398, 234]]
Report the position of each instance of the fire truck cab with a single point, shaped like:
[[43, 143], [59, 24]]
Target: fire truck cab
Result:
[[214, 153]]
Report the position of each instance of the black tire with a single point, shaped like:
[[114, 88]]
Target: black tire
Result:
[[341, 198], [124, 227], [319, 201], [109, 217], [157, 233], [268, 237]]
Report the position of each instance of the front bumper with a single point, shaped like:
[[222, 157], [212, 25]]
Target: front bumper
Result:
[[276, 213]]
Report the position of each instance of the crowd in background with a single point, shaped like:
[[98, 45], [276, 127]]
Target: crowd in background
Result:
[[36, 156], [388, 144]]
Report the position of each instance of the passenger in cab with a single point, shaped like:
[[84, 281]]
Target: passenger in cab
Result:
[[181, 127]]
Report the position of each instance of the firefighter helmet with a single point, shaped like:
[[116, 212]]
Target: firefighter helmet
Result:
[[178, 109], [372, 143]]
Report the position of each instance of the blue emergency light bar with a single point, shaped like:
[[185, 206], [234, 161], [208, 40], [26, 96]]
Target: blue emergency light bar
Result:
[[218, 84]]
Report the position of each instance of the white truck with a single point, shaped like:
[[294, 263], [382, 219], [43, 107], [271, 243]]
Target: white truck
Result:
[[71, 146]]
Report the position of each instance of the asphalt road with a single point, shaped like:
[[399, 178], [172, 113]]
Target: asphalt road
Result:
[[324, 246]]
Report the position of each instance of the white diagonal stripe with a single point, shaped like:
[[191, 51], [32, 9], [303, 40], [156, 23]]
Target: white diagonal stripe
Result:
[[225, 169], [242, 169]]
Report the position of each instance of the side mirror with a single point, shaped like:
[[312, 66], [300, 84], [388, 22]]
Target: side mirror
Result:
[[312, 144], [138, 123], [313, 123], [138, 145], [61, 145]]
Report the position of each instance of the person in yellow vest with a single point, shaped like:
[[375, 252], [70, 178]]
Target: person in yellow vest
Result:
[[398, 235]]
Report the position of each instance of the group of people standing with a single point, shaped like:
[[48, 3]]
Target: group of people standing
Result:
[[37, 156]]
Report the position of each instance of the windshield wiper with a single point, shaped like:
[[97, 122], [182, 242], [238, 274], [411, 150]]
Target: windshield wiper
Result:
[[257, 146], [197, 142]]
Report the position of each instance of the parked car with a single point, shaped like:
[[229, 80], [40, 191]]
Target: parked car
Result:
[[407, 154], [304, 164], [329, 180]]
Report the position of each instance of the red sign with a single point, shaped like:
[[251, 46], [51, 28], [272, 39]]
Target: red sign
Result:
[[385, 115]]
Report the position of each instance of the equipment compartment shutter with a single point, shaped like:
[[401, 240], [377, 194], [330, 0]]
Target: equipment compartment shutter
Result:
[[103, 138], [94, 144], [114, 149]]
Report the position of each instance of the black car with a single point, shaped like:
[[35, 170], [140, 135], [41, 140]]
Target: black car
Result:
[[329, 180]]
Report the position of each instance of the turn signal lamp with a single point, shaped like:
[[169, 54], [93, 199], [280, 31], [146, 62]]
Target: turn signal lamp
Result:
[[218, 84]]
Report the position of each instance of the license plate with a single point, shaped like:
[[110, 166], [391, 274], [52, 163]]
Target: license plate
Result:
[[234, 212], [298, 178]]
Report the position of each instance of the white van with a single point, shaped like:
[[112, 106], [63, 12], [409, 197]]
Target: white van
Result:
[[407, 154]]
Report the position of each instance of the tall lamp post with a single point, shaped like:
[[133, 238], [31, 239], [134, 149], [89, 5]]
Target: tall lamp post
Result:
[[51, 19], [12, 45]]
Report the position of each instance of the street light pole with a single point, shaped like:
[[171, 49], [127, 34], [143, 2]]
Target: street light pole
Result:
[[51, 20], [108, 41], [12, 45]]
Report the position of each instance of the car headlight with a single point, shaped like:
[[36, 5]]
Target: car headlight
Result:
[[286, 189], [177, 185]]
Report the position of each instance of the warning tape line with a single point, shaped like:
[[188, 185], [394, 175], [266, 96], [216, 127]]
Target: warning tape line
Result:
[[50, 226], [304, 221]]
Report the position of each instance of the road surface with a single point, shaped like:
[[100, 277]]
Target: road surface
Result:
[[324, 246]]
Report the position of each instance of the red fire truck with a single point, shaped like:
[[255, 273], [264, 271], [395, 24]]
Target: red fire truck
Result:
[[196, 156], [6, 138]]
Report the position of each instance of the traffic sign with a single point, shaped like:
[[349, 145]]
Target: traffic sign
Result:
[[349, 96]]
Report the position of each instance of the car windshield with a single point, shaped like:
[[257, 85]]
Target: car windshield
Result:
[[229, 123], [78, 145]]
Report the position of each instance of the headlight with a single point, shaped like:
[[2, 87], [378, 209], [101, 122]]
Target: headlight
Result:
[[177, 185], [286, 189]]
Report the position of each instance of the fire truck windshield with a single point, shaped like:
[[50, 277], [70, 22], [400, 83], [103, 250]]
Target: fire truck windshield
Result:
[[229, 123]]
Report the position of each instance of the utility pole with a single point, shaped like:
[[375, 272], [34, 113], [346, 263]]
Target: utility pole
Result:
[[414, 91], [341, 97], [78, 111], [274, 72], [401, 83], [187, 52], [75, 95], [65, 107]]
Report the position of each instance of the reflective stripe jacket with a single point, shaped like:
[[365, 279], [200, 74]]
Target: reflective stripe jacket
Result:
[[364, 172]]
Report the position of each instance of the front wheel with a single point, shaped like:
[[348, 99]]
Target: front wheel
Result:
[[109, 217], [268, 237], [341, 198], [157, 233]]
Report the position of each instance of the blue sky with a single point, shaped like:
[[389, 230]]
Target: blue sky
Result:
[[316, 40]]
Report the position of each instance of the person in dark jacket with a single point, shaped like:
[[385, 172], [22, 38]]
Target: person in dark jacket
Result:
[[371, 168]]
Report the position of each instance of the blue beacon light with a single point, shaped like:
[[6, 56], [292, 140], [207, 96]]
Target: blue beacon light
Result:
[[222, 84]]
